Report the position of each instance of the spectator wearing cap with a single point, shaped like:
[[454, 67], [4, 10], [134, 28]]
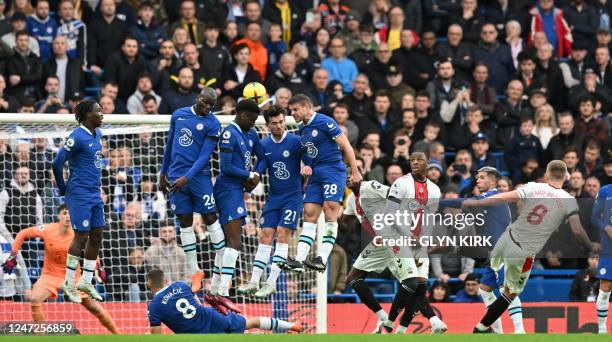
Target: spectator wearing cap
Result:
[[42, 28], [508, 113], [527, 74], [75, 98], [462, 137], [105, 35], [182, 95], [66, 68], [481, 153], [8, 103], [605, 175], [74, 30], [470, 18], [350, 32], [396, 86], [18, 24], [522, 147], [458, 51], [603, 67], [469, 293], [547, 18], [589, 87], [24, 69], [573, 69], [589, 125], [582, 20], [364, 49], [333, 15], [537, 98], [189, 21], [413, 62], [435, 173], [339, 67], [124, 67], [147, 31], [496, 56], [144, 87]]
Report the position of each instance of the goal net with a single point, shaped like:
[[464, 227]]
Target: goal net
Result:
[[136, 213]]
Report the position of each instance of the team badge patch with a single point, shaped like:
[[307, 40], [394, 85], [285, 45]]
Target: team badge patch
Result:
[[286, 153], [240, 210], [199, 127], [41, 228], [227, 135], [602, 271], [70, 142], [315, 132], [85, 223]]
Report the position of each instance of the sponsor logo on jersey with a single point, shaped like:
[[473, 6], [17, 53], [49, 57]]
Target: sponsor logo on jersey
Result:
[[185, 139], [280, 170], [99, 159], [311, 149]]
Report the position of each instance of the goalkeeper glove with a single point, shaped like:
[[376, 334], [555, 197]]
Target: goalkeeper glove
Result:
[[9, 265]]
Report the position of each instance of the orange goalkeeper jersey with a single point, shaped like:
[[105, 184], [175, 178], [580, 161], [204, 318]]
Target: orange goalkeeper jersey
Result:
[[56, 246]]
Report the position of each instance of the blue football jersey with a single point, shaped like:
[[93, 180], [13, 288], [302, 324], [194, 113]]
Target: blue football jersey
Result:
[[187, 134], [237, 149], [601, 217], [176, 307], [497, 218], [283, 159], [318, 140], [83, 151]]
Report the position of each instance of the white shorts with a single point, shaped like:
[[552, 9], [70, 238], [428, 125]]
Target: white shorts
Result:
[[517, 266], [377, 259]]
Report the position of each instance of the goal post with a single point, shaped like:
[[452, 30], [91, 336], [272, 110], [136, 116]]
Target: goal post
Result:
[[133, 149]]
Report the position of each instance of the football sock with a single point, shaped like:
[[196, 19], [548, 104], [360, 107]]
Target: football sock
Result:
[[261, 262], [188, 242], [280, 256], [307, 238]]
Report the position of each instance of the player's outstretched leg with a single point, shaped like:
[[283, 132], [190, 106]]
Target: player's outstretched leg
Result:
[[101, 314], [259, 265], [39, 296], [488, 297], [269, 323], [279, 258], [188, 242], [603, 301], [422, 305], [231, 252], [494, 311], [407, 293], [330, 209]]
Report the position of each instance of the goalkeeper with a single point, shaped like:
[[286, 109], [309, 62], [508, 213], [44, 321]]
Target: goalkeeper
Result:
[[57, 237]]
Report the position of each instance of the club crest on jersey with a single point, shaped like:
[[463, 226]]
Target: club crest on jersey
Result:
[[315, 132], [69, 143], [602, 271], [185, 139], [286, 154], [413, 205], [240, 210], [98, 161], [227, 135], [85, 223], [262, 221], [199, 127], [311, 149]]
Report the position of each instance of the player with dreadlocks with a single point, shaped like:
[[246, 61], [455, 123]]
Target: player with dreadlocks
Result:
[[83, 151]]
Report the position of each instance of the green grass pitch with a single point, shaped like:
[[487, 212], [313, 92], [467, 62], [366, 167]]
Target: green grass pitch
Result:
[[301, 338]]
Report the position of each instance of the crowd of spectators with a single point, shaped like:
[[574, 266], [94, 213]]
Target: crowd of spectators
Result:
[[510, 84]]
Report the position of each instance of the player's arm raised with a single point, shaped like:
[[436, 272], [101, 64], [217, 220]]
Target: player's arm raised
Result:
[[349, 157], [578, 230], [24, 234], [163, 179], [495, 200]]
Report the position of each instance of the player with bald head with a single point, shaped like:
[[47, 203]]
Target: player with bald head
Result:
[[185, 175]]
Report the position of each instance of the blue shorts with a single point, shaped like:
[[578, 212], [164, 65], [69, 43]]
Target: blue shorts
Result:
[[85, 216], [195, 197], [326, 184], [282, 211], [231, 205], [604, 268], [221, 324], [492, 280]]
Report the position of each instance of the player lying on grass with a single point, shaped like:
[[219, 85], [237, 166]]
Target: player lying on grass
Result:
[[239, 142], [57, 237], [367, 199], [601, 217], [325, 146], [176, 306], [83, 151], [496, 220], [545, 207], [192, 138], [283, 209]]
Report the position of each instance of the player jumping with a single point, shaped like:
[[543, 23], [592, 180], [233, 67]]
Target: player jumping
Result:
[[367, 199], [192, 138], [325, 144], [57, 237], [283, 208], [83, 151], [176, 306], [416, 193], [545, 207], [601, 217], [239, 141], [496, 219]]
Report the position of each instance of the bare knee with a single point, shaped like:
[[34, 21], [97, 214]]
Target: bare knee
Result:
[[331, 209], [209, 218], [312, 212], [283, 235], [266, 237]]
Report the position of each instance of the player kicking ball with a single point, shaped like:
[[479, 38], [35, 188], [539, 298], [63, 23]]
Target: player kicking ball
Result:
[[185, 175], [367, 199], [239, 141], [545, 207], [176, 306], [57, 237], [325, 144], [281, 213], [83, 151], [601, 217]]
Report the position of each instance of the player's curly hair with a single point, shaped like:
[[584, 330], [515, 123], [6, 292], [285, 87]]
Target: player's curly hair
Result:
[[82, 108]]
